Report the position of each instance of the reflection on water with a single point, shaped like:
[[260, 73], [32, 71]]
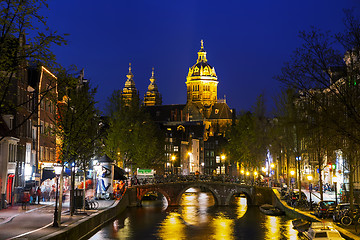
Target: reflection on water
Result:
[[172, 227], [222, 227], [198, 218], [194, 205], [277, 228], [241, 206]]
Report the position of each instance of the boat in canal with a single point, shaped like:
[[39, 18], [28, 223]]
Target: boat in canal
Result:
[[271, 210], [317, 230]]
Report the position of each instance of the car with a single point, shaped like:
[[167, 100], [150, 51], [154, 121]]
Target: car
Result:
[[340, 208], [325, 209]]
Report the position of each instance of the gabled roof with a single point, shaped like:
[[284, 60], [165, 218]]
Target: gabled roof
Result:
[[220, 110]]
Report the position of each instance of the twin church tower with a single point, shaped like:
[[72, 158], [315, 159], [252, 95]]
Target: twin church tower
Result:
[[202, 102], [195, 131]]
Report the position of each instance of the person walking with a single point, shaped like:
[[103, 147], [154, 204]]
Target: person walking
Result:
[[38, 194], [25, 200]]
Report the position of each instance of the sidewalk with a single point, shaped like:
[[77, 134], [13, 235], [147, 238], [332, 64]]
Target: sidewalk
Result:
[[37, 220], [315, 196]]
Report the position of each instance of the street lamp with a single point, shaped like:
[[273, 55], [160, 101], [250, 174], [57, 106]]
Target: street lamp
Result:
[[292, 173], [222, 168], [309, 178], [335, 183], [58, 169], [172, 163]]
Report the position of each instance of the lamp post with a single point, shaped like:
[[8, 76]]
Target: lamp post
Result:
[[292, 173], [222, 157], [335, 183], [58, 169], [190, 162], [172, 163], [272, 166], [309, 177]]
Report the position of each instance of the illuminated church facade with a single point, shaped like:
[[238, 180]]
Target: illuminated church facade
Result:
[[195, 131]]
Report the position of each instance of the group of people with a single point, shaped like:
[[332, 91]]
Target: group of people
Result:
[[119, 190], [31, 197]]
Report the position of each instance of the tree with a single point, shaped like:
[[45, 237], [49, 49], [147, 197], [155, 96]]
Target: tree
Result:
[[287, 131], [77, 125], [24, 37], [317, 68], [248, 140], [132, 138]]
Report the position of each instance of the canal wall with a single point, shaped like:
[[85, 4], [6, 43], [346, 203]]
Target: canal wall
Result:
[[87, 226], [295, 213]]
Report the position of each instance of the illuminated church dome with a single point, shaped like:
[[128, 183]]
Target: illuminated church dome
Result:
[[202, 67], [201, 81]]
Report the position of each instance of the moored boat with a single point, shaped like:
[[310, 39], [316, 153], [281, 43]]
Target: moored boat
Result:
[[271, 210], [301, 225], [322, 230]]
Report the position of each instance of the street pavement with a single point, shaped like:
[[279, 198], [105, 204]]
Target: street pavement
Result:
[[37, 220], [315, 196]]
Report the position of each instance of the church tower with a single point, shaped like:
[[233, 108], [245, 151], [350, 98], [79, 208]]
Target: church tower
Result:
[[129, 93], [152, 96], [202, 82]]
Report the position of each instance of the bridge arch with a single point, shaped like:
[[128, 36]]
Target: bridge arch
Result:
[[143, 191], [201, 186], [239, 191]]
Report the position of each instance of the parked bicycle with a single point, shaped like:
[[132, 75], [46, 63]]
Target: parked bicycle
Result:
[[349, 218], [91, 204]]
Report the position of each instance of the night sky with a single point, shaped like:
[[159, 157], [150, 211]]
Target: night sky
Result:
[[246, 41]]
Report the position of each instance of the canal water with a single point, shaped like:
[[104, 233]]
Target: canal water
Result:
[[197, 218]]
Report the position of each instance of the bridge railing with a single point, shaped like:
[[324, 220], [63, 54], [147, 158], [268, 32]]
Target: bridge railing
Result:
[[192, 178]]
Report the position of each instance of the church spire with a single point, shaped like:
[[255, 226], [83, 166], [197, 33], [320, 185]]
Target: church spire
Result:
[[152, 96], [202, 53], [130, 75], [129, 92]]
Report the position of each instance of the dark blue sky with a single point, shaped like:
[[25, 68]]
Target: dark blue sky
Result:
[[246, 41]]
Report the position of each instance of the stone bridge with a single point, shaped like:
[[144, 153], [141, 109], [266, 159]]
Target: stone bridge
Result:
[[222, 192]]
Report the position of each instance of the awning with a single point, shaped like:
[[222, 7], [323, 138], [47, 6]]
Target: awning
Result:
[[48, 174], [119, 174]]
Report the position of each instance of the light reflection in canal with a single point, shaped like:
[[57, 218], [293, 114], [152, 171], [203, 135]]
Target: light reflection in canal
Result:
[[198, 218]]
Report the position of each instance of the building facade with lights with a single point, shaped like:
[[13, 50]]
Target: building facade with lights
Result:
[[27, 141], [195, 131]]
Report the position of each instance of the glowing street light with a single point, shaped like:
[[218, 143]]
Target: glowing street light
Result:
[[335, 180], [310, 178], [58, 169]]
